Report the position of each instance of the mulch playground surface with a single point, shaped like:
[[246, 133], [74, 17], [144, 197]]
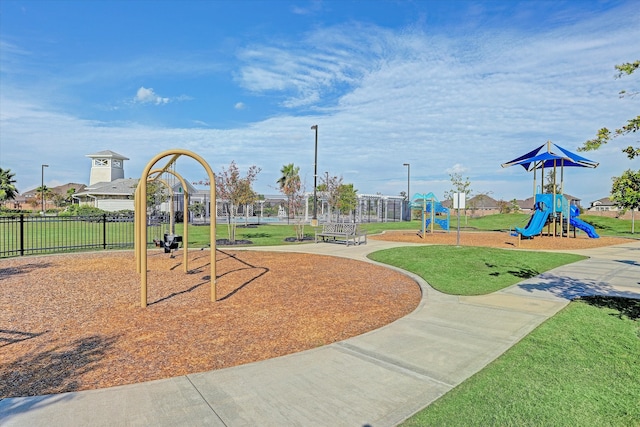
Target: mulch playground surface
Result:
[[74, 322]]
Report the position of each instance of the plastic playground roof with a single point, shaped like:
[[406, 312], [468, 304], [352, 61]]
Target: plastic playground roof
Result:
[[428, 197], [554, 155]]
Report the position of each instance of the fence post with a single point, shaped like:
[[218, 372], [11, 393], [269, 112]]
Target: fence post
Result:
[[21, 234], [104, 231]]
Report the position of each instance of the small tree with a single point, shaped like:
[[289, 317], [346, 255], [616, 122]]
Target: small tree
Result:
[[289, 184], [332, 190], [347, 198], [198, 209], [625, 191], [298, 203], [551, 187], [157, 193], [515, 207], [504, 207], [235, 191], [59, 200], [459, 185]]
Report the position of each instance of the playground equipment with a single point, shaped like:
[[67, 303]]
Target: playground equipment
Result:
[[544, 207], [548, 208], [578, 223], [141, 219], [432, 212], [551, 208]]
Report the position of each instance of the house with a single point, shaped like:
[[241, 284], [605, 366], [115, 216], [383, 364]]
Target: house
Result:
[[108, 189], [110, 196], [603, 205], [33, 198]]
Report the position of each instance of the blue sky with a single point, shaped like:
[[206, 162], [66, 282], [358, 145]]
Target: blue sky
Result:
[[447, 86]]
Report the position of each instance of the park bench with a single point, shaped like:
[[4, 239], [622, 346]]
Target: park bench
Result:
[[347, 232]]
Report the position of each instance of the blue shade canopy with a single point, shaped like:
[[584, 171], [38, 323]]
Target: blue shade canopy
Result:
[[549, 155]]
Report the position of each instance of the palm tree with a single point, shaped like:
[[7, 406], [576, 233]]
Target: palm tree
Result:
[[8, 190], [289, 182], [45, 194]]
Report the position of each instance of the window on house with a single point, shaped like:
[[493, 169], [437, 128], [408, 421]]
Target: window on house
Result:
[[100, 162]]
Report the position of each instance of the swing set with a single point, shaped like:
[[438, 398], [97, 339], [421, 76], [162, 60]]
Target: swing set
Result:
[[170, 240]]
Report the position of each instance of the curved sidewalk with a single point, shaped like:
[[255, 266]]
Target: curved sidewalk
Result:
[[376, 379]]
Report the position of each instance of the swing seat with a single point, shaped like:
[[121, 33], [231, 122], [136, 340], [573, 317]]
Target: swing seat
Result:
[[171, 242]]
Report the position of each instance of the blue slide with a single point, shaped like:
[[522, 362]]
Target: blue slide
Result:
[[578, 223], [587, 228], [536, 223]]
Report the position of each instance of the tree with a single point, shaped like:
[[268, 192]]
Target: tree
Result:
[[331, 187], [289, 184], [504, 207], [347, 198], [157, 193], [70, 192], [605, 135], [625, 191], [551, 187], [236, 191], [44, 193], [8, 190], [59, 200], [198, 208], [459, 185]]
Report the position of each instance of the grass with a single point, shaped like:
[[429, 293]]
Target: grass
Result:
[[580, 368], [261, 235], [612, 226], [471, 270]]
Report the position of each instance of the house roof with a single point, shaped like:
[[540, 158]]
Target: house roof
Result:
[[121, 186], [605, 201], [108, 153], [61, 189]]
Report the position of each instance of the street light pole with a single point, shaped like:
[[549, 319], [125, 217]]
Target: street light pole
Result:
[[314, 221], [42, 186], [408, 188]]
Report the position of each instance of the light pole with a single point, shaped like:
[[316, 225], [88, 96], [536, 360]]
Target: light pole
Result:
[[408, 188], [42, 186], [314, 220]]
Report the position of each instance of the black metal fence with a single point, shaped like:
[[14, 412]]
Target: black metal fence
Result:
[[29, 235]]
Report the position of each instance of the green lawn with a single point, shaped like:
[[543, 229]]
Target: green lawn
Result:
[[471, 270], [581, 367]]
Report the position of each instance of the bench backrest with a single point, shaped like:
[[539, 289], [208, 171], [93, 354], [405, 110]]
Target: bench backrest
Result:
[[340, 227]]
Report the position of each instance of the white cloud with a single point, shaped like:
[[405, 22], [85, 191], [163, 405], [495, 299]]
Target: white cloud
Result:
[[380, 99], [148, 96], [239, 106], [457, 168]]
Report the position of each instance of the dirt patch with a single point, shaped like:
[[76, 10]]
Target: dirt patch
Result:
[[501, 240], [74, 322]]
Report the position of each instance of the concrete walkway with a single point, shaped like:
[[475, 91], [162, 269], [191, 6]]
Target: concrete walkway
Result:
[[376, 379]]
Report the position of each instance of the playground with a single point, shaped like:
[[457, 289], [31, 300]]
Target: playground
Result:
[[75, 323]]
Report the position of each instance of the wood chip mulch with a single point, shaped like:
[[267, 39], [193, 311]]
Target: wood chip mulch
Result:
[[74, 322], [501, 240]]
